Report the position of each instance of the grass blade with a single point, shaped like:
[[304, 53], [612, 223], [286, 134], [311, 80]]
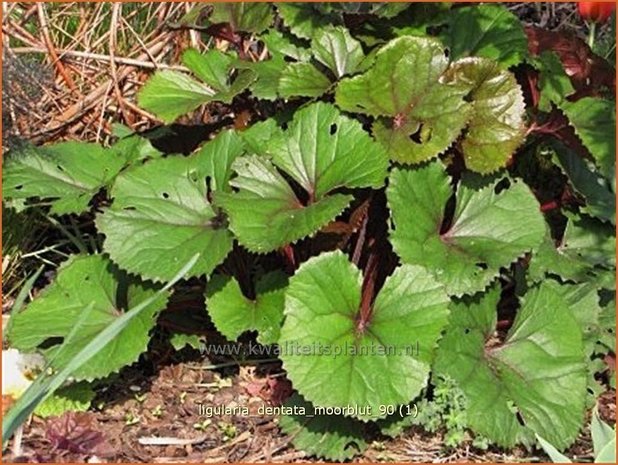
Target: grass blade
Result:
[[44, 386]]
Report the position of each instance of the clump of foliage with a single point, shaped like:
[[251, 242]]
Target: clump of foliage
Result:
[[407, 203]]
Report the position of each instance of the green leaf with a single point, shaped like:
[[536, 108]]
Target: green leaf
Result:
[[594, 121], [243, 80], [583, 301], [487, 231], [161, 217], [496, 127], [322, 150], [538, 371], [72, 398], [81, 281], [403, 71], [233, 313], [420, 17], [489, 31], [170, 94], [283, 44], [214, 160], [243, 16], [420, 116], [45, 385], [211, 67], [589, 241], [554, 83], [257, 137], [586, 246], [135, 148], [602, 433], [302, 80], [554, 455], [268, 73], [68, 173], [600, 200], [607, 323], [608, 453], [336, 49], [181, 340], [336, 361], [266, 214], [380, 9], [302, 19], [325, 436]]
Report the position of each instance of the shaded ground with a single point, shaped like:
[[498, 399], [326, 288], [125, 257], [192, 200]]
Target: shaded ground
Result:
[[158, 418]]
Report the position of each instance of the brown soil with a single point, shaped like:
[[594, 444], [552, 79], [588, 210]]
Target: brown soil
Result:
[[137, 409]]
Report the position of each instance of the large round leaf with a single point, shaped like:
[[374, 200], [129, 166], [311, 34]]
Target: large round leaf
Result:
[[321, 150], [496, 127], [419, 115], [334, 362], [487, 230], [538, 373], [160, 218], [82, 281]]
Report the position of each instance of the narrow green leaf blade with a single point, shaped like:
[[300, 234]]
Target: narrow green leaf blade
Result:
[[602, 433], [607, 454], [554, 455]]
